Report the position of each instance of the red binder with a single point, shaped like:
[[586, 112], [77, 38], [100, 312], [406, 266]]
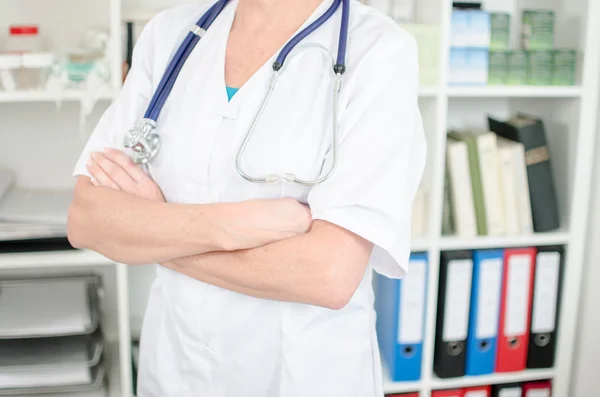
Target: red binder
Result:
[[537, 389], [480, 391], [517, 292], [448, 393]]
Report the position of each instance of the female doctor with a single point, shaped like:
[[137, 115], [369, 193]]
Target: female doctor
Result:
[[262, 289]]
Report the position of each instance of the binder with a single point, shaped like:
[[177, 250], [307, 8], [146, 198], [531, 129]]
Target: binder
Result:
[[480, 391], [456, 270], [517, 288], [448, 393], [537, 389], [507, 390], [400, 306], [530, 131], [485, 311], [545, 308]]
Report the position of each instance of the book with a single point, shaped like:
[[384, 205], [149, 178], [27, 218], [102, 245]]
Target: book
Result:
[[447, 215], [508, 185], [521, 184], [485, 180], [460, 187], [531, 132]]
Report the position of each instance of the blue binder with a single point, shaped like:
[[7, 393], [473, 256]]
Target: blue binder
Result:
[[400, 306], [484, 315]]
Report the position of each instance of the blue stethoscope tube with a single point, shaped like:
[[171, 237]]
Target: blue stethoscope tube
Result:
[[146, 144]]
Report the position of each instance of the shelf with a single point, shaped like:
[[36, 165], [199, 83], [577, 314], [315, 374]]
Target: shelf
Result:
[[493, 379], [530, 240], [72, 258], [399, 387], [47, 96], [515, 92], [419, 244]]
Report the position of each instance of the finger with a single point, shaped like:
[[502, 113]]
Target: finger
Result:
[[98, 175], [134, 170], [114, 172], [94, 182]]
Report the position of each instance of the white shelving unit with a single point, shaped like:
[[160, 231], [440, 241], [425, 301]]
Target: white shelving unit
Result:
[[569, 112], [43, 96], [514, 92]]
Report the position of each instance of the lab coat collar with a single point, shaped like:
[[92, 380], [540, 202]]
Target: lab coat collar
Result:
[[255, 88]]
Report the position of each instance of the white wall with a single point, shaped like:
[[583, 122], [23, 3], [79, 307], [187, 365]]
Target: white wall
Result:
[[586, 368]]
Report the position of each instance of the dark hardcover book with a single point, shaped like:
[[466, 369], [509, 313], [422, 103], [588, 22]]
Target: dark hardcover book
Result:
[[531, 133]]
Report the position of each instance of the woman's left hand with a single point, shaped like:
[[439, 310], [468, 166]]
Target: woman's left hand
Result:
[[115, 170]]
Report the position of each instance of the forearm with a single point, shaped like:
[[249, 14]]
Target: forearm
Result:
[[132, 230], [317, 268]]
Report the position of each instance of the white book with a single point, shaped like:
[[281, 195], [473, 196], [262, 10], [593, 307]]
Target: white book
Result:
[[506, 154], [522, 188], [487, 152], [461, 189]]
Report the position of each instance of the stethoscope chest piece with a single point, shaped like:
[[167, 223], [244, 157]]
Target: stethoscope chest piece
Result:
[[143, 141]]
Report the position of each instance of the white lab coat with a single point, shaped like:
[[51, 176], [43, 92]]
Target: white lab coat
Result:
[[202, 341]]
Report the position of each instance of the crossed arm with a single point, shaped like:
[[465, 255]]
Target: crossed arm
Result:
[[262, 248]]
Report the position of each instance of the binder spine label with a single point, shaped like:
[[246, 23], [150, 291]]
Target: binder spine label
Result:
[[518, 292], [510, 392], [489, 289], [412, 303], [538, 393], [476, 393], [545, 292], [537, 155], [458, 291]]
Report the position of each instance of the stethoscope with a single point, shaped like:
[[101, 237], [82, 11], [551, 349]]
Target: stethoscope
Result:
[[146, 143]]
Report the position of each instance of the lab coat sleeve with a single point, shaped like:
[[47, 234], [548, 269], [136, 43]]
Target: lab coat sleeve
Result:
[[131, 103], [381, 158]]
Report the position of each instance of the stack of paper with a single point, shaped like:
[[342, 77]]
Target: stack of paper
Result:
[[44, 308], [48, 362], [32, 214], [50, 336]]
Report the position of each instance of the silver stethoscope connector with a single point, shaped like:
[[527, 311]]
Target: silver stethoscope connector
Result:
[[143, 141]]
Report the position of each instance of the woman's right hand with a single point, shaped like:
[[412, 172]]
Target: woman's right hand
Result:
[[254, 223]]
